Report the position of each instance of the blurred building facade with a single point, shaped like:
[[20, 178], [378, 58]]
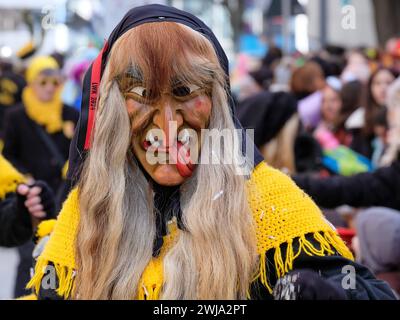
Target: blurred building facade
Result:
[[240, 25], [330, 21]]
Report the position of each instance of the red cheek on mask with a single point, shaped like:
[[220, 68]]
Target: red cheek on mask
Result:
[[197, 112], [202, 105], [131, 106]]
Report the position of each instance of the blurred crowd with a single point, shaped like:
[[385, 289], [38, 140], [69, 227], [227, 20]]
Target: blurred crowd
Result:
[[330, 119]]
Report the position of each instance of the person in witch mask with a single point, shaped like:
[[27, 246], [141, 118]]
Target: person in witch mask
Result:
[[134, 229]]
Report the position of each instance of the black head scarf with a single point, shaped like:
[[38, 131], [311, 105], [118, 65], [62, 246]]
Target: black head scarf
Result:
[[166, 199]]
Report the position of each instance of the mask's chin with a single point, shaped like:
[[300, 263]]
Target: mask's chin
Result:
[[166, 175], [163, 173]]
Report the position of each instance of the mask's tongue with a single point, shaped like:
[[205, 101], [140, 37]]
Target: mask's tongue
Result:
[[181, 156]]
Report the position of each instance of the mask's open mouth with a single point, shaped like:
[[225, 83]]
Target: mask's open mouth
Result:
[[178, 154], [183, 162]]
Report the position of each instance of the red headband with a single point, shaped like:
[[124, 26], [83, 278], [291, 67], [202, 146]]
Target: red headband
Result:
[[94, 94]]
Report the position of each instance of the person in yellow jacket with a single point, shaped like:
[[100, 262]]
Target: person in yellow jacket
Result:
[[148, 217]]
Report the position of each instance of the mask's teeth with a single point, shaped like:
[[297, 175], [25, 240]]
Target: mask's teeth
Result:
[[152, 139], [184, 136]]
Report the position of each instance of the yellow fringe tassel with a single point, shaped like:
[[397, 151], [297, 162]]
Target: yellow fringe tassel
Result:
[[329, 244], [65, 277], [28, 297], [145, 293], [45, 228]]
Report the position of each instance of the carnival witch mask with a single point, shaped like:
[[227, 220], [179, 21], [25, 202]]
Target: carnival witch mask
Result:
[[179, 55], [167, 87]]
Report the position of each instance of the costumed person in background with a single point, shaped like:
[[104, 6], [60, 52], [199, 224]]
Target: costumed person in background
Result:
[[132, 228], [37, 135], [39, 131], [22, 206]]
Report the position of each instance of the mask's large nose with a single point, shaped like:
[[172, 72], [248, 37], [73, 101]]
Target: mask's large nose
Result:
[[168, 118]]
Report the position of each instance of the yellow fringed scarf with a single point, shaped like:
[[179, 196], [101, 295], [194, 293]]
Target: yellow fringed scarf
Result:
[[10, 178], [47, 114], [281, 211]]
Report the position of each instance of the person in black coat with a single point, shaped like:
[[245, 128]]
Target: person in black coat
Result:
[[37, 135], [377, 227], [378, 188], [38, 132]]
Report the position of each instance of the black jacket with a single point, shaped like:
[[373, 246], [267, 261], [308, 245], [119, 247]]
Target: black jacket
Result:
[[15, 222], [24, 148], [379, 188]]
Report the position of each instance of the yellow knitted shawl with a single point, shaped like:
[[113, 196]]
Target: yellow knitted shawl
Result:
[[10, 178], [281, 211], [47, 114]]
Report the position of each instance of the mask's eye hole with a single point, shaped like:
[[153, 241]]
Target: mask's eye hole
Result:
[[140, 91], [183, 91]]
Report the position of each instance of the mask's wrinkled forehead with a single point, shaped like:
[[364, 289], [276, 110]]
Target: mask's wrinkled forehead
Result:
[[155, 13], [162, 55]]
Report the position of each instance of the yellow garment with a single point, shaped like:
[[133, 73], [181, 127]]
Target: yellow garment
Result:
[[281, 211], [47, 114], [28, 297], [38, 65], [64, 170], [45, 228], [10, 178], [8, 92], [26, 50], [152, 277]]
